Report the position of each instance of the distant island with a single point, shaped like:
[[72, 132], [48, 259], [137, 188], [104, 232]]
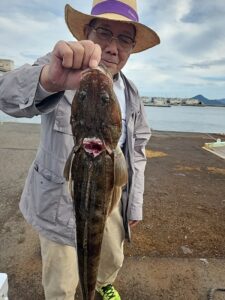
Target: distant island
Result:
[[198, 100]]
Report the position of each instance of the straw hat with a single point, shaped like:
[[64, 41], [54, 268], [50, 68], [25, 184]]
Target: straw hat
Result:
[[121, 11]]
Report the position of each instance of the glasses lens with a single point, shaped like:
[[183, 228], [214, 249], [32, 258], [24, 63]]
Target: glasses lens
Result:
[[103, 34], [125, 41]]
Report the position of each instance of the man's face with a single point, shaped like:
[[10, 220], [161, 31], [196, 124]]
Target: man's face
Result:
[[114, 53]]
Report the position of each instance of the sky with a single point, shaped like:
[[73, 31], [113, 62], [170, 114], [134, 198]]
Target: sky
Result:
[[190, 59]]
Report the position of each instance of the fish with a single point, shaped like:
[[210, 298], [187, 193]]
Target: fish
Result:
[[96, 168]]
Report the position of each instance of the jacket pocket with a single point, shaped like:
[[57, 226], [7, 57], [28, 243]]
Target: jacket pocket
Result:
[[65, 212], [46, 196], [63, 113], [51, 200]]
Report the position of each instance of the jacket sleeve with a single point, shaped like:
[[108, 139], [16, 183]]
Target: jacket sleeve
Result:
[[18, 96], [141, 136]]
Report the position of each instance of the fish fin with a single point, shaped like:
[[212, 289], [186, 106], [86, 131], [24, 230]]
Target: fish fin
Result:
[[120, 177], [70, 185], [120, 168], [116, 195], [67, 168], [67, 171]]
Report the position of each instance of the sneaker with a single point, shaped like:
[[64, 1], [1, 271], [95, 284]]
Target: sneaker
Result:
[[108, 292]]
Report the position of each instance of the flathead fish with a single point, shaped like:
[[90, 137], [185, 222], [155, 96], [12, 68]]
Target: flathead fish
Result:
[[96, 168]]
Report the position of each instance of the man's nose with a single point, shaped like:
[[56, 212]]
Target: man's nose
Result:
[[113, 46]]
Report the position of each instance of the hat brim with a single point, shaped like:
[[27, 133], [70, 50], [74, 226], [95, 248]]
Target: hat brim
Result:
[[145, 37]]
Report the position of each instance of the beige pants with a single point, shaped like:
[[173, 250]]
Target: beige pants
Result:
[[59, 262]]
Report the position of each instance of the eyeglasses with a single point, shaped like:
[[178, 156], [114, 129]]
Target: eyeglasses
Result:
[[105, 35]]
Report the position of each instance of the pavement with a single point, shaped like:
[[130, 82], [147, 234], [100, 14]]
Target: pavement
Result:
[[177, 251]]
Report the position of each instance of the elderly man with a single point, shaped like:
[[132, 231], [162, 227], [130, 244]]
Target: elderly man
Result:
[[108, 35]]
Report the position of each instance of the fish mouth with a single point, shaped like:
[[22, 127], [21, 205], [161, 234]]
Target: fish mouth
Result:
[[101, 68], [93, 146]]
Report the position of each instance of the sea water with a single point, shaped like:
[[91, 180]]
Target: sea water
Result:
[[204, 119]]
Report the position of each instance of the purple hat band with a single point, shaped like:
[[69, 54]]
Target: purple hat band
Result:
[[117, 7]]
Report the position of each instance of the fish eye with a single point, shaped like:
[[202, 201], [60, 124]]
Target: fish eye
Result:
[[105, 97], [82, 95]]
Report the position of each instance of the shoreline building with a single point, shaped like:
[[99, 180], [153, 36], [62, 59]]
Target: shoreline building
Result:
[[163, 101], [6, 65]]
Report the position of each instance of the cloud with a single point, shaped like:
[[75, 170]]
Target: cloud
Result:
[[208, 63], [190, 59], [215, 78], [181, 30], [30, 30], [210, 12]]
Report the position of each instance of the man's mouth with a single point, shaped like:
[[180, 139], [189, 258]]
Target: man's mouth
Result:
[[110, 61], [93, 146]]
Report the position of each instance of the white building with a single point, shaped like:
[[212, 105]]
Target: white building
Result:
[[6, 65], [192, 102]]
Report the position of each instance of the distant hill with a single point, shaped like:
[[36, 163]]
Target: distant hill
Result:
[[213, 102]]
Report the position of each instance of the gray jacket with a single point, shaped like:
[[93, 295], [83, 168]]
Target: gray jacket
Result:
[[45, 201]]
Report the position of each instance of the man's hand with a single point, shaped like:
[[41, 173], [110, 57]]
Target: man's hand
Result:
[[68, 60], [133, 223]]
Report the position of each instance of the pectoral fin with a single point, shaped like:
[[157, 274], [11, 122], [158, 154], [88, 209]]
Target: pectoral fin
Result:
[[120, 168], [67, 168], [120, 177], [117, 191], [67, 171]]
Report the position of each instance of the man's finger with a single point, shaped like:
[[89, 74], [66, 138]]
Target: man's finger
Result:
[[95, 57], [64, 52], [133, 223], [89, 48], [78, 51]]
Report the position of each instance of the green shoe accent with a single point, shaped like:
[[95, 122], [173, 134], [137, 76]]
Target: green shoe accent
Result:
[[108, 292]]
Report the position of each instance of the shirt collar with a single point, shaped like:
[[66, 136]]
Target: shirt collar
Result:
[[118, 81]]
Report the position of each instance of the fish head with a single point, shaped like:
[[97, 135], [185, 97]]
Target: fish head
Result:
[[95, 115]]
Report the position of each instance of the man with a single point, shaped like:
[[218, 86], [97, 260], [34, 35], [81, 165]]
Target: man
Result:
[[109, 35]]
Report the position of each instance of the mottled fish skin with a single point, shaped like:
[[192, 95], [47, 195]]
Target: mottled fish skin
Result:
[[96, 169]]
